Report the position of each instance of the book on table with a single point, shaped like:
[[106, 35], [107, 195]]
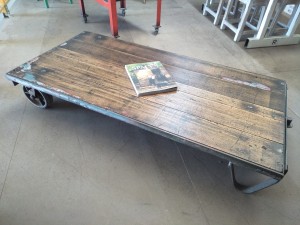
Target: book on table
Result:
[[150, 78]]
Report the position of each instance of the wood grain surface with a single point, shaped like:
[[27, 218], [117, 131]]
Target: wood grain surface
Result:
[[230, 111]]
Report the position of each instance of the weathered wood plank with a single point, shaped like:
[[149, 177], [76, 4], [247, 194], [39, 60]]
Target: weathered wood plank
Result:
[[210, 83], [90, 65], [198, 66], [97, 67], [241, 117]]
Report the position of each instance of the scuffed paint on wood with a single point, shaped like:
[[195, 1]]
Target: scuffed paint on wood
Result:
[[251, 84], [27, 66], [29, 77]]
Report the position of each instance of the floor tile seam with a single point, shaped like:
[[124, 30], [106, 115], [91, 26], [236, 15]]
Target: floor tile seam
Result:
[[192, 183], [12, 154], [226, 186], [293, 111]]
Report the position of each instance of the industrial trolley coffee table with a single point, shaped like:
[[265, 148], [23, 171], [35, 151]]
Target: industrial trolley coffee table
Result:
[[235, 115]]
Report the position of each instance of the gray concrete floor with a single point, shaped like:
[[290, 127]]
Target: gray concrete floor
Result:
[[69, 165]]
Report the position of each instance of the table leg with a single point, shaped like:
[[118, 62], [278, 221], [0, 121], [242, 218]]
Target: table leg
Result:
[[249, 190], [46, 3], [81, 2], [123, 4], [158, 16], [123, 7], [113, 18], [266, 20], [293, 24], [4, 9], [275, 18]]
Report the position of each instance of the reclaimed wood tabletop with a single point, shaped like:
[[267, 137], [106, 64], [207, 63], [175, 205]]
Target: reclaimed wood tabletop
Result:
[[228, 112]]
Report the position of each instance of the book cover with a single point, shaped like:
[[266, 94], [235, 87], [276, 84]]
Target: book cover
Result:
[[150, 78]]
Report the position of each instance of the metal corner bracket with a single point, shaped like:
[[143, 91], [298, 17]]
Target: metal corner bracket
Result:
[[250, 189]]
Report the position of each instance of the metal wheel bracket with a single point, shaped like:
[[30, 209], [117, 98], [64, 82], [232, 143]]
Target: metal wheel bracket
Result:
[[250, 189]]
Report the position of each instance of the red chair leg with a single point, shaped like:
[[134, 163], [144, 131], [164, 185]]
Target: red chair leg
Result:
[[158, 13], [123, 4], [81, 3], [113, 18]]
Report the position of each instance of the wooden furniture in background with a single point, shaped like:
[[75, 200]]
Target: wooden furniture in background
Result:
[[110, 5], [3, 8], [238, 26], [266, 37], [257, 21]]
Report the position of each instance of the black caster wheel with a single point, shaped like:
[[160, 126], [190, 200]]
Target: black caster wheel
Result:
[[155, 31], [289, 123], [38, 98], [123, 13], [85, 18], [156, 28]]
